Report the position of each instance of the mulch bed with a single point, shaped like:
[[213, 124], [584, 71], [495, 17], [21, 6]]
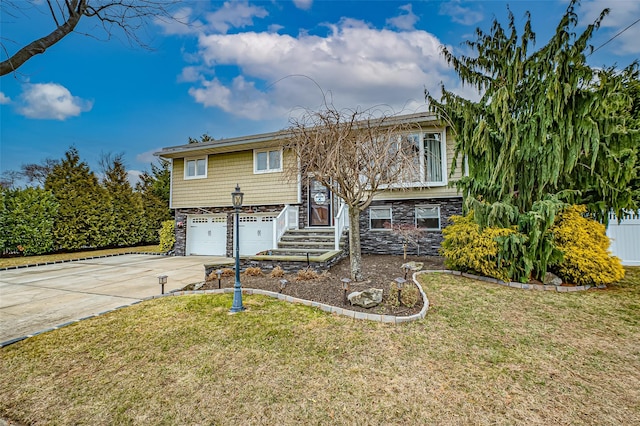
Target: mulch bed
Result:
[[379, 272]]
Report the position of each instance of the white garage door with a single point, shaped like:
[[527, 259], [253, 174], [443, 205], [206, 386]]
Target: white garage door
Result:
[[207, 235], [256, 233]]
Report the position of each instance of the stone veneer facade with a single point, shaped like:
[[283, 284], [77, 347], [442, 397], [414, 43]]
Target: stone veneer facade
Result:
[[403, 212], [372, 241]]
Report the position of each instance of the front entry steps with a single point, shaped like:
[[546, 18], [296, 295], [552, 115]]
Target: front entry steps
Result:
[[299, 248]]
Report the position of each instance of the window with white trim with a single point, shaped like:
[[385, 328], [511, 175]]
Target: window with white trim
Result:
[[378, 217], [429, 158], [428, 217], [195, 168], [267, 161]]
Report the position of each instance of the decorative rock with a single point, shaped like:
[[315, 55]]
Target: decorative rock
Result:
[[413, 266], [367, 298], [551, 279]]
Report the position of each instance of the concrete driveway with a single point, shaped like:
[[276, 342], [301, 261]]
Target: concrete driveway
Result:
[[38, 298]]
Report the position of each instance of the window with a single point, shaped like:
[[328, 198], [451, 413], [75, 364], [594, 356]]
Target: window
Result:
[[195, 168], [378, 216], [428, 217], [267, 161], [432, 148], [428, 160]]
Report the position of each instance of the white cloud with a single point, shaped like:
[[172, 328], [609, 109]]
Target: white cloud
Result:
[[133, 176], [405, 21], [460, 14], [237, 14], [355, 64], [51, 101], [147, 156], [4, 99], [232, 14], [303, 4], [621, 15]]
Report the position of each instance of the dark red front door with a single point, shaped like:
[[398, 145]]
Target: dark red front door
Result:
[[319, 204]]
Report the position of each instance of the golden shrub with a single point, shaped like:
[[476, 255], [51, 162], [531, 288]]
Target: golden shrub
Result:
[[584, 242], [228, 272], [466, 248]]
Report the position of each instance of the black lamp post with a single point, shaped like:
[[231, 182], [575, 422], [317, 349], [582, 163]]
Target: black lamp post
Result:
[[236, 199]]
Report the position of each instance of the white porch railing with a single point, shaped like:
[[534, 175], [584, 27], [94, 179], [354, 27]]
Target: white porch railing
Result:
[[287, 219], [341, 222]]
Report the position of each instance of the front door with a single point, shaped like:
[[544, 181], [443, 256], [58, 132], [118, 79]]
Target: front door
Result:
[[319, 204]]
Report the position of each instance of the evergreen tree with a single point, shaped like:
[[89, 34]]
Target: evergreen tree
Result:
[[548, 128], [125, 212], [26, 219], [154, 188], [82, 204]]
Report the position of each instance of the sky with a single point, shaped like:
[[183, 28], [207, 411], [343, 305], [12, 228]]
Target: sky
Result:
[[239, 68]]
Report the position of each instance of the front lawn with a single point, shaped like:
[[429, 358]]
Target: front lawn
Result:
[[484, 354]]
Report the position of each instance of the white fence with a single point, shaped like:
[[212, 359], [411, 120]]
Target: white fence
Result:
[[625, 238]]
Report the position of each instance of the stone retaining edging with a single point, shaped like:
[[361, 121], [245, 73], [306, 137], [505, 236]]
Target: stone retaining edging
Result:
[[32, 265], [539, 287]]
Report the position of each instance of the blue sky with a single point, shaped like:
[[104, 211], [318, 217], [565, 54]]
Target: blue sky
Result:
[[245, 67]]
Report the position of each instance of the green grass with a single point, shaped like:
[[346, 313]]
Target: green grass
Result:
[[31, 260], [484, 354]]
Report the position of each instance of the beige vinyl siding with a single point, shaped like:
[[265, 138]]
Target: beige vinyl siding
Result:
[[436, 191], [223, 172]]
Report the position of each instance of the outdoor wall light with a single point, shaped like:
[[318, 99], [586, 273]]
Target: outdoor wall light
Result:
[[400, 283], [162, 280], [345, 288], [219, 274], [236, 200], [283, 284]]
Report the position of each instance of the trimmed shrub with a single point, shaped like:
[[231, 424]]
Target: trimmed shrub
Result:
[[584, 242], [468, 249], [167, 235], [409, 295]]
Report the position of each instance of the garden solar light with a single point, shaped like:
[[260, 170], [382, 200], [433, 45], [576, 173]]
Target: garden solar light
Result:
[[219, 274], [400, 283], [283, 284], [162, 280], [345, 288]]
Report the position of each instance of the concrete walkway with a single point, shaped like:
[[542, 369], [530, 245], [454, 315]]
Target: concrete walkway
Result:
[[38, 298]]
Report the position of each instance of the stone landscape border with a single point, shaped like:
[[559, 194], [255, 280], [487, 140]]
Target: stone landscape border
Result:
[[76, 259], [539, 287]]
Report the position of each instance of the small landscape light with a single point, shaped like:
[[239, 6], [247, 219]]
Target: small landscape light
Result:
[[400, 283], [283, 284], [345, 287], [162, 280], [219, 274], [406, 268]]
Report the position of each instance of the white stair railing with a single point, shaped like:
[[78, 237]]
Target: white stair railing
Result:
[[287, 219], [341, 222]]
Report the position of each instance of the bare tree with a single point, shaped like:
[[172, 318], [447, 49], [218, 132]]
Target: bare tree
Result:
[[38, 172], [356, 155], [127, 15]]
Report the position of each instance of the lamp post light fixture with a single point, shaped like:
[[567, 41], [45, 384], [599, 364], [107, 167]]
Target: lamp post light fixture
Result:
[[283, 284], [405, 267], [162, 280], [236, 200], [400, 283], [219, 274], [345, 288]]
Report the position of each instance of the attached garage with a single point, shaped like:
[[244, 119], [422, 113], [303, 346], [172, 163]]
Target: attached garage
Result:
[[256, 233], [206, 235]]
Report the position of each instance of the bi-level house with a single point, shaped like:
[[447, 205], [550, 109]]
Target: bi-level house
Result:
[[281, 215]]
